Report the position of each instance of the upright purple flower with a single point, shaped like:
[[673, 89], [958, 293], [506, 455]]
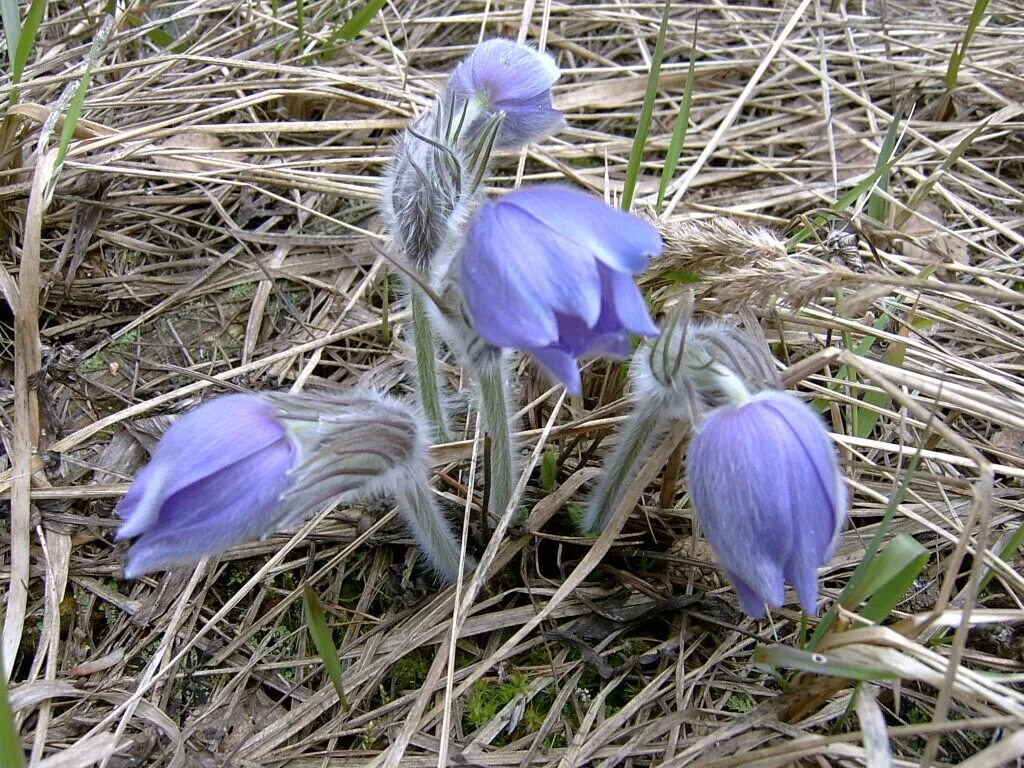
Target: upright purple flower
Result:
[[509, 78], [215, 480], [549, 270], [767, 489]]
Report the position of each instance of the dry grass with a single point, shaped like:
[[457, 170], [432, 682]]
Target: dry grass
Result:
[[214, 226]]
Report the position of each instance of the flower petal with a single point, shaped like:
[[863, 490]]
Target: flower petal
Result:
[[215, 435], [523, 124], [514, 282], [605, 338], [238, 503], [751, 601], [140, 507], [564, 279], [506, 72], [742, 505], [619, 240], [823, 489], [561, 365], [767, 487], [628, 303]]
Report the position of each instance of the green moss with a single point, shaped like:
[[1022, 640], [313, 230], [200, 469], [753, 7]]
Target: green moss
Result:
[[488, 697], [126, 343], [243, 291], [94, 363], [740, 702], [411, 670], [914, 715]]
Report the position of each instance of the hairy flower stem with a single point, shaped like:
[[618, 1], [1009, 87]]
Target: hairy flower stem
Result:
[[423, 517], [494, 413], [640, 435], [426, 368]]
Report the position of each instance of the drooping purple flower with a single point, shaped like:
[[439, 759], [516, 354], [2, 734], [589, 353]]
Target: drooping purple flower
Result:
[[767, 489], [549, 270], [215, 480], [241, 467], [501, 76]]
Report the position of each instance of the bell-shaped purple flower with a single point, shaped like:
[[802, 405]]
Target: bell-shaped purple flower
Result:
[[503, 77], [767, 489], [241, 467], [549, 270], [215, 480]]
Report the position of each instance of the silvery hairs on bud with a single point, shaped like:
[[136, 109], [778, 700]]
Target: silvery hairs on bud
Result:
[[363, 445], [424, 190], [684, 366], [676, 377], [433, 181], [661, 397]]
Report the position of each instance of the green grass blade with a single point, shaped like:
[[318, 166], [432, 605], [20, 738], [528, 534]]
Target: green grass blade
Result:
[[843, 202], [675, 144], [26, 39], [646, 111], [865, 419], [358, 22], [10, 747], [324, 641], [78, 100], [891, 574], [878, 206], [156, 35], [1005, 555], [860, 573], [926, 186], [959, 51], [819, 663], [347, 32], [71, 119], [548, 470], [11, 20], [846, 373], [164, 39]]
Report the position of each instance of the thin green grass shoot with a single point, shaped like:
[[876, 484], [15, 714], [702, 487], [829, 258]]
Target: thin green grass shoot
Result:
[[956, 58], [548, 470], [864, 570], [925, 188], [675, 144], [319, 630], [788, 657], [842, 203], [11, 19], [643, 127], [878, 206], [11, 755], [26, 38], [1005, 554], [890, 576]]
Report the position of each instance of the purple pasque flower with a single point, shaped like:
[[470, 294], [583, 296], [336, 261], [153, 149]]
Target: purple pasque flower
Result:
[[507, 78], [243, 466], [549, 270], [767, 489], [215, 480]]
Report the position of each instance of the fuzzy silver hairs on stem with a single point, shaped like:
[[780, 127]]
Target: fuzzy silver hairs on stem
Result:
[[688, 368]]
